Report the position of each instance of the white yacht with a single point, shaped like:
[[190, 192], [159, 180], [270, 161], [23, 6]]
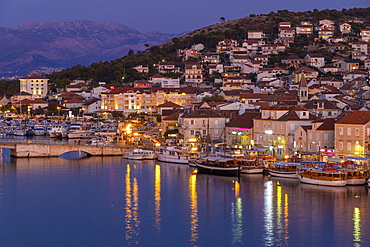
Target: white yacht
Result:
[[39, 130], [140, 154], [173, 155]]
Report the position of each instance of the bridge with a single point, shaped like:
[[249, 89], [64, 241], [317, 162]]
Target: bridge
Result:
[[30, 150]]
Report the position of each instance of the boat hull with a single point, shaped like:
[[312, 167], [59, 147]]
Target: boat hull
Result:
[[228, 171], [249, 170], [173, 159], [338, 183], [356, 181], [283, 174]]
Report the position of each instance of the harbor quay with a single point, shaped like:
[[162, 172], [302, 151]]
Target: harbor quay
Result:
[[31, 150]]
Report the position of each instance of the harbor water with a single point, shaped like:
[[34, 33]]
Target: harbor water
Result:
[[110, 201]]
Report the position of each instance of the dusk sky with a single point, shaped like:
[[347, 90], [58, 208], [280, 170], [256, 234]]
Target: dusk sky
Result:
[[169, 16]]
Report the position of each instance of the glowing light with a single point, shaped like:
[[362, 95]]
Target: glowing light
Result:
[[129, 128], [192, 140], [157, 196], [356, 227], [193, 208], [157, 144]]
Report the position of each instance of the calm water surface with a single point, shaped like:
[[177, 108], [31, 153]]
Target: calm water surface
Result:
[[109, 201]]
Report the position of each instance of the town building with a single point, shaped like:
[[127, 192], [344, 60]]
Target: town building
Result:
[[34, 84]]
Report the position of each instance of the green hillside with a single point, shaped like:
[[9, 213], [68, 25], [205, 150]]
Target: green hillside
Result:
[[112, 72]]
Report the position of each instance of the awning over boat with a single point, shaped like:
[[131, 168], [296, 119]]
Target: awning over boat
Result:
[[356, 158], [335, 160]]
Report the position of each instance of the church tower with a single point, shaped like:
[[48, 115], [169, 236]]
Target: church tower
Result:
[[303, 89]]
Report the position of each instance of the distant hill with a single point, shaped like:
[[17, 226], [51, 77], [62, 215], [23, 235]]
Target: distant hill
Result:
[[112, 72], [39, 46]]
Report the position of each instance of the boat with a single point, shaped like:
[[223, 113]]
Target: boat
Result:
[[323, 176], [283, 169], [39, 130], [356, 177], [218, 166], [78, 132], [249, 166], [57, 131], [173, 155], [20, 132], [140, 154]]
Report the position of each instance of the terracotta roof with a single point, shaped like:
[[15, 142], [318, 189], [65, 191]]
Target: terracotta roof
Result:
[[74, 100], [312, 104], [245, 120], [303, 82], [328, 124], [157, 76], [23, 93], [357, 117], [39, 101], [305, 128], [34, 76], [203, 114], [304, 69], [174, 117], [169, 104]]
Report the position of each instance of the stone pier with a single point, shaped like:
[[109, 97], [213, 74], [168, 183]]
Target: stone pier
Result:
[[29, 150]]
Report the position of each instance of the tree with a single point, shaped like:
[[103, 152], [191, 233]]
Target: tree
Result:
[[222, 19]]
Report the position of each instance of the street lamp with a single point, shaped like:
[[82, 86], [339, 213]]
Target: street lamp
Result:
[[58, 108]]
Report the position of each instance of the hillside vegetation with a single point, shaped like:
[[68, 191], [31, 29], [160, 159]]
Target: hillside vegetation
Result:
[[120, 70]]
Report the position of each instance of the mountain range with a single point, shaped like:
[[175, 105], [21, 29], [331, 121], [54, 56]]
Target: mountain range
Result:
[[55, 45]]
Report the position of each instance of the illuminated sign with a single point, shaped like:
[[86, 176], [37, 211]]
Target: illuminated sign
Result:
[[269, 132], [327, 152]]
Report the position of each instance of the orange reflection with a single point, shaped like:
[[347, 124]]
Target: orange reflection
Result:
[[132, 206], [193, 208], [157, 196]]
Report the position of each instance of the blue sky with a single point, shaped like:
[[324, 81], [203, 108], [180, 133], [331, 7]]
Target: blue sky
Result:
[[169, 16]]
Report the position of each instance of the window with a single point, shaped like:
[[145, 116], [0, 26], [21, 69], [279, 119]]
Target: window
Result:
[[191, 122], [357, 132], [216, 121], [348, 146], [340, 145], [191, 132], [340, 130], [349, 131]]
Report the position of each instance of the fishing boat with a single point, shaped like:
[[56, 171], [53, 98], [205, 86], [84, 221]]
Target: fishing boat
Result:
[[249, 166], [140, 154], [283, 169], [323, 176], [173, 155], [218, 166]]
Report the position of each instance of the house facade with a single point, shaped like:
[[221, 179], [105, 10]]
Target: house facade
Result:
[[34, 84]]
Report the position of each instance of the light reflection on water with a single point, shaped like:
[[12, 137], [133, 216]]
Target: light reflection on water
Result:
[[160, 204]]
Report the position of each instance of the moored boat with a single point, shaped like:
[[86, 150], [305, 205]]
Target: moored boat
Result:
[[356, 177], [140, 154], [284, 170], [249, 166], [218, 166], [324, 176], [173, 155]]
